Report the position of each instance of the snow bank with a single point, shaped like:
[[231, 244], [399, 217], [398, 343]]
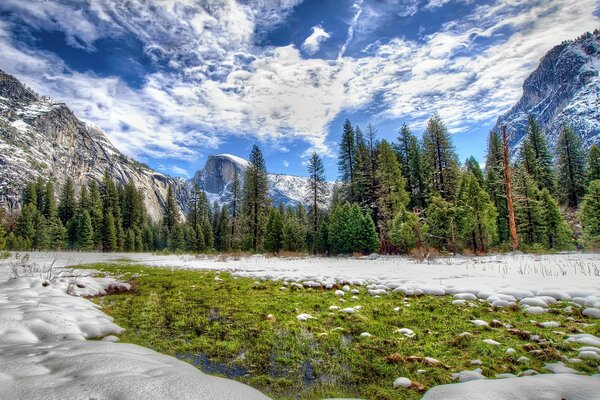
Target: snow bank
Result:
[[44, 353], [555, 386]]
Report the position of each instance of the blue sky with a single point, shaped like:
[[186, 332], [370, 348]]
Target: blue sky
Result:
[[173, 81]]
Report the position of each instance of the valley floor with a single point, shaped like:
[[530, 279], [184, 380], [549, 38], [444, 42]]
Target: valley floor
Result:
[[289, 326]]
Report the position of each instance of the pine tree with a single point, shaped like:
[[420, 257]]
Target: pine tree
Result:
[[25, 226], [170, 212], [255, 198], [30, 195], [367, 237], [109, 237], [590, 216], [363, 188], [495, 184], [593, 164], [84, 200], [347, 161], [571, 167], [407, 231], [222, 231], [57, 233], [317, 191], [410, 156], [472, 166], [235, 207], [558, 233], [40, 189], [41, 240], [350, 230], [96, 213], [2, 237], [391, 194], [536, 159], [294, 232], [441, 161], [49, 207], [442, 225], [67, 203], [477, 213], [85, 231], [528, 209], [274, 236]]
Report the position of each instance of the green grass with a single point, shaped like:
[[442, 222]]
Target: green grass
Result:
[[223, 328]]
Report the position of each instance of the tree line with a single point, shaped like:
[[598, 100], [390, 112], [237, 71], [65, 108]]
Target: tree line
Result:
[[410, 194]]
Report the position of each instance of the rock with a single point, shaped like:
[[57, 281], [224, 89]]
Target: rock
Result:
[[402, 382]]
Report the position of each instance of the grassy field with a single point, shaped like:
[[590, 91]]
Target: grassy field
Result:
[[248, 331]]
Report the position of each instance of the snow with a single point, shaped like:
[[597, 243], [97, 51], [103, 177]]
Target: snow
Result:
[[44, 353], [62, 322], [491, 342], [555, 386], [237, 160], [304, 317]]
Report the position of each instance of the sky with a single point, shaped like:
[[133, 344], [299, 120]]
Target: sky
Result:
[[173, 81]]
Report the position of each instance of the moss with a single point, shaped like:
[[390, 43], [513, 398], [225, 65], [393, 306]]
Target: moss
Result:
[[225, 328]]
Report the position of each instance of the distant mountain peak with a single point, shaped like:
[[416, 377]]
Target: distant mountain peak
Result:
[[564, 89]]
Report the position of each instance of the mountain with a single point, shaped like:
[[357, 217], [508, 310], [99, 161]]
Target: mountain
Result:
[[43, 138], [216, 177], [565, 88]]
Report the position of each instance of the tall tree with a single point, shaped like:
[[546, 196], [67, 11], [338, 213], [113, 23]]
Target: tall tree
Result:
[[255, 198], [364, 188], [49, 208], [170, 212], [495, 184], [535, 157], [347, 160], [442, 219], [593, 171], [590, 215], [571, 167], [472, 166], [477, 214], [85, 231], [441, 161], [411, 159], [96, 213], [558, 233], [317, 190], [67, 202], [235, 207], [222, 232], [274, 237], [528, 209], [392, 197]]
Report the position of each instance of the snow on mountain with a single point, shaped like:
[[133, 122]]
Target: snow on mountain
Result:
[[564, 89], [218, 172], [40, 137]]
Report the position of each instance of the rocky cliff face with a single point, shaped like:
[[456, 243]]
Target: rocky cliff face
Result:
[[216, 177], [43, 138], [565, 88]]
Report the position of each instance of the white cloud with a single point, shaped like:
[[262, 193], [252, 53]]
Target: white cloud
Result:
[[312, 43], [285, 163], [470, 71]]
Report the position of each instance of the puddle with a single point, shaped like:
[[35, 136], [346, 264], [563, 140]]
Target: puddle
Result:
[[207, 366]]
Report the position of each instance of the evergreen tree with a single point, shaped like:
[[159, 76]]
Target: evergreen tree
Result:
[[294, 232], [49, 207], [347, 161], [255, 198], [2, 237], [170, 212], [85, 231], [350, 230], [84, 200], [367, 238], [317, 189], [528, 209], [407, 231], [235, 207], [363, 184], [472, 166], [25, 226], [67, 203], [571, 167], [593, 164], [590, 216], [274, 236], [96, 213], [57, 233], [535, 157], [558, 233], [410, 156], [495, 184], [41, 240], [477, 214], [40, 189], [109, 237], [391, 194], [441, 162], [442, 225], [30, 195], [222, 231]]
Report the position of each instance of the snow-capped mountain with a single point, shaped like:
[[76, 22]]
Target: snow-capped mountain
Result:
[[43, 138], [218, 172], [564, 89]]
